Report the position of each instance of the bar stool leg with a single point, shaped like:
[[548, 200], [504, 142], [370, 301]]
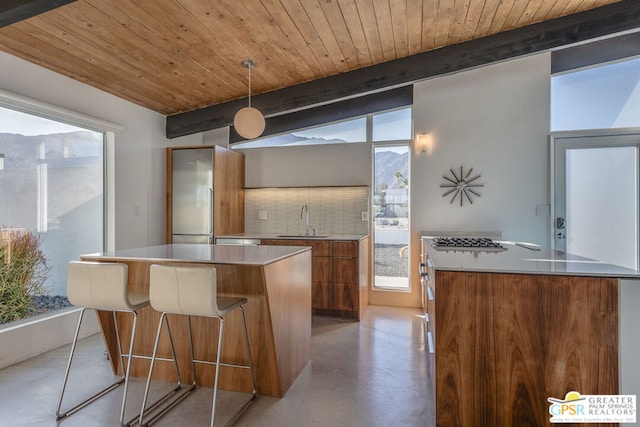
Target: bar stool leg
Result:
[[157, 403], [251, 371], [217, 376], [128, 371], [59, 414], [246, 340]]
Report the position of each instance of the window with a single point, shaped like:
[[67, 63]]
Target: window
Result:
[[392, 126], [602, 97], [335, 133], [52, 185], [391, 137]]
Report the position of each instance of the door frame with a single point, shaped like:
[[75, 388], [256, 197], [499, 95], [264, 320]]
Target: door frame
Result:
[[557, 160]]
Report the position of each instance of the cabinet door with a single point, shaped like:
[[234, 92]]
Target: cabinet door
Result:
[[344, 296], [344, 270]]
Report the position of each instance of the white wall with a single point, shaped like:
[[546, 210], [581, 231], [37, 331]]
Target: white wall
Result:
[[496, 120], [299, 166]]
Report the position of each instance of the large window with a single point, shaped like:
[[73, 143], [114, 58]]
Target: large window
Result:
[[354, 130], [52, 185]]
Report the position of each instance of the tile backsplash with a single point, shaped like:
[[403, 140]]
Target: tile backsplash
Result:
[[332, 210]]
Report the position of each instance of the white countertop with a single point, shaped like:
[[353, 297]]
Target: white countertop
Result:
[[291, 236], [214, 254], [517, 259]]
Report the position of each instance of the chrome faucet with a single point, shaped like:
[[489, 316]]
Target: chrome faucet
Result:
[[305, 209]]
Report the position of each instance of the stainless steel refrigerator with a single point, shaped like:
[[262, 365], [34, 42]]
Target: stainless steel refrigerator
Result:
[[192, 215], [205, 193]]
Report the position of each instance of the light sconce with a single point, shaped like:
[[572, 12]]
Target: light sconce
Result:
[[424, 143], [248, 121]]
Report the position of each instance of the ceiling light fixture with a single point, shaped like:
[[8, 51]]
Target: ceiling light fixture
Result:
[[249, 122]]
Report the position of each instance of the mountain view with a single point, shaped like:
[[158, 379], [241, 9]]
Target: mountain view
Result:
[[22, 151], [387, 164]]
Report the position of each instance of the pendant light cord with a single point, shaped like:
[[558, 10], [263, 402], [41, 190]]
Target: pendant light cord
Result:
[[249, 85]]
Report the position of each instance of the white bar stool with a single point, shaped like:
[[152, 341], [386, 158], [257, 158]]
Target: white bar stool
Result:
[[192, 291], [103, 286]]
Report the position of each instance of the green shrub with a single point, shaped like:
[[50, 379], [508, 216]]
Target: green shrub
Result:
[[23, 272]]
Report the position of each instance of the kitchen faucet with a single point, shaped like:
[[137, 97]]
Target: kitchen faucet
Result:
[[305, 209]]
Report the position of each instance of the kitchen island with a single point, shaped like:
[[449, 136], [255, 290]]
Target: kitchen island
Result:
[[509, 328], [277, 284], [340, 272]]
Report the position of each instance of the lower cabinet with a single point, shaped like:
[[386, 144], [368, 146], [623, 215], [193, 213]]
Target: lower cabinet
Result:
[[339, 274], [505, 343]]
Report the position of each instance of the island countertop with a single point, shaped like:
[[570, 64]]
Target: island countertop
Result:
[[523, 258], [204, 253]]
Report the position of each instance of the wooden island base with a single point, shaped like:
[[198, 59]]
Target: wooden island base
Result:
[[278, 316]]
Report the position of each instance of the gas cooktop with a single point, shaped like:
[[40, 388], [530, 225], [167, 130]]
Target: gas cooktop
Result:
[[466, 243]]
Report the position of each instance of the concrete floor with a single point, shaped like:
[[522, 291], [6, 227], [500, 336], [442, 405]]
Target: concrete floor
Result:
[[371, 373]]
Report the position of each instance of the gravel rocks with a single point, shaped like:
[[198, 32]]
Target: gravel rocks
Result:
[[391, 261], [43, 303]]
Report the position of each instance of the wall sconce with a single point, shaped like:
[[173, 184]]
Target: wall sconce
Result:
[[424, 143]]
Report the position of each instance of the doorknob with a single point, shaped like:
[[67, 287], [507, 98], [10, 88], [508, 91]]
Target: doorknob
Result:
[[561, 224]]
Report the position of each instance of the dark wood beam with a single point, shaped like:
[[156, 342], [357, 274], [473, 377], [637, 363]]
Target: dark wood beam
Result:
[[12, 11], [599, 52], [333, 112], [567, 30]]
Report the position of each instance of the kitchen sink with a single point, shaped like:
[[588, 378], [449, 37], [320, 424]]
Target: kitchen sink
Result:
[[301, 236]]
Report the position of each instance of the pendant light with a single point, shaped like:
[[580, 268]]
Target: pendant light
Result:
[[249, 122]]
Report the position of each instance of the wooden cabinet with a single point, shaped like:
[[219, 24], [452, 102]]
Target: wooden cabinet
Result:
[[339, 275], [506, 342]]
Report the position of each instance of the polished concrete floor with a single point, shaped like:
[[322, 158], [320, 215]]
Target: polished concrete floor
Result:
[[371, 373]]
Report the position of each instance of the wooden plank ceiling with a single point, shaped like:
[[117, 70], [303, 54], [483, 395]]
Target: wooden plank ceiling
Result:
[[174, 56]]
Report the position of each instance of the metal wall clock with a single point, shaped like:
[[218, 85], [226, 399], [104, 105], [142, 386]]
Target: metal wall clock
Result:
[[461, 185]]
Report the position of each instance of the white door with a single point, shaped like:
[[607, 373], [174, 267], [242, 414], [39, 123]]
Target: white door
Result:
[[596, 195]]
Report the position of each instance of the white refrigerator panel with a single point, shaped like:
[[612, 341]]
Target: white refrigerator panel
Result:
[[192, 192]]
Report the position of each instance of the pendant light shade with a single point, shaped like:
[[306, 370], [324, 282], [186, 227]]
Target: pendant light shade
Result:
[[248, 121]]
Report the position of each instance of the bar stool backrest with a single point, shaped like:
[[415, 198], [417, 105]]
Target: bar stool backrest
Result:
[[98, 285], [184, 290]]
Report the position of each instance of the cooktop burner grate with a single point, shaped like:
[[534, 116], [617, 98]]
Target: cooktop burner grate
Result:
[[466, 243]]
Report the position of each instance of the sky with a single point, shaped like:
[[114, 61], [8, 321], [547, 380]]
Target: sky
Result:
[[12, 121]]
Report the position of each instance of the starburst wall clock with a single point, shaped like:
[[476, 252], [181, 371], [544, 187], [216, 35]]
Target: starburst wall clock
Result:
[[461, 185]]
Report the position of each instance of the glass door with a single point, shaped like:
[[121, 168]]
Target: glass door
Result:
[[391, 216], [596, 196]]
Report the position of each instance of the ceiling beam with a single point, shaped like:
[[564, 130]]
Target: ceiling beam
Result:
[[339, 110], [544, 36], [12, 11]]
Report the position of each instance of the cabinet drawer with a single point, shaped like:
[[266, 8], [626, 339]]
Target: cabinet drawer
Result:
[[344, 270], [344, 249]]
